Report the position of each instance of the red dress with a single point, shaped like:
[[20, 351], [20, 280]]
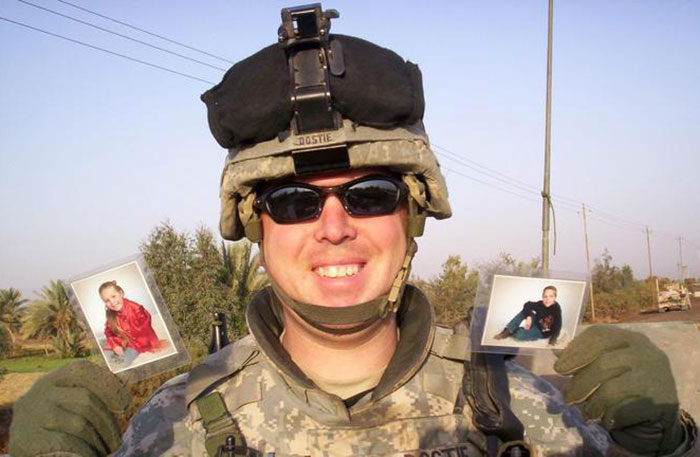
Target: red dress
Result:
[[135, 321]]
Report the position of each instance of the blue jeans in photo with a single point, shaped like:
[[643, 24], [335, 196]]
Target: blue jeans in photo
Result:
[[520, 333]]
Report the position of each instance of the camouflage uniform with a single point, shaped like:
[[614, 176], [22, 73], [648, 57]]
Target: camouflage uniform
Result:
[[416, 410]]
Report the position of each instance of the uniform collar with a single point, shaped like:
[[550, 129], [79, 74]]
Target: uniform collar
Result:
[[415, 319]]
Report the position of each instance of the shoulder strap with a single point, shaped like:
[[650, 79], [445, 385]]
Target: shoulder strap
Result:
[[223, 437], [485, 386], [219, 366]]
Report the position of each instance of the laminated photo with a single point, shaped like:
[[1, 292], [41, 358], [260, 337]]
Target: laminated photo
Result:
[[537, 313], [129, 322]]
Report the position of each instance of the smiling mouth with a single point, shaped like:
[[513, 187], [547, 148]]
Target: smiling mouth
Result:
[[338, 271]]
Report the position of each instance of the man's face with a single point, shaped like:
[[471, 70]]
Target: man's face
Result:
[[336, 260], [549, 297]]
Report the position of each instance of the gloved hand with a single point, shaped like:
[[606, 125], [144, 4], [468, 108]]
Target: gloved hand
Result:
[[621, 379], [70, 410]]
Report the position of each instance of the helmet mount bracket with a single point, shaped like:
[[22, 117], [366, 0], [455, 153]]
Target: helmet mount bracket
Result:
[[304, 34]]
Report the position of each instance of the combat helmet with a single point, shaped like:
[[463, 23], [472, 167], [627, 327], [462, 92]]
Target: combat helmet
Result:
[[317, 102]]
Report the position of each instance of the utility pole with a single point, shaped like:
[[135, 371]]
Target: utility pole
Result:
[[588, 263], [655, 290], [547, 136], [680, 253]]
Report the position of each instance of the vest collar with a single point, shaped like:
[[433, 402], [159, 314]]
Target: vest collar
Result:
[[415, 319]]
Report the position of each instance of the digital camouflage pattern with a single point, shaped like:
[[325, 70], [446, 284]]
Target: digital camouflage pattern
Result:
[[403, 150], [163, 428], [422, 413], [282, 414]]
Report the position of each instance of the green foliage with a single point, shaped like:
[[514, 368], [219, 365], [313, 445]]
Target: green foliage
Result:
[[52, 317], [6, 345], [452, 292], [616, 292], [244, 277], [196, 278], [10, 318], [169, 256], [33, 364], [507, 264]]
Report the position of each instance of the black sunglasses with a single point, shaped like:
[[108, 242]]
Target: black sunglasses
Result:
[[373, 195]]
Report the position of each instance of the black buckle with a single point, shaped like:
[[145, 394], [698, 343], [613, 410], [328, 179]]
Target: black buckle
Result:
[[304, 35], [515, 450], [305, 23], [228, 449]]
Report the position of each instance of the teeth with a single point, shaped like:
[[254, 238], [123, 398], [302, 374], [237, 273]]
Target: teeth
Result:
[[337, 271]]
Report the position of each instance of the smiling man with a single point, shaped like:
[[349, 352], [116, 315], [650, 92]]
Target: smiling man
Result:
[[331, 172]]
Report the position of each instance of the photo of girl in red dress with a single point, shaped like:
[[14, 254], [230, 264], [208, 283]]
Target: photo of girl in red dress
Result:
[[128, 327]]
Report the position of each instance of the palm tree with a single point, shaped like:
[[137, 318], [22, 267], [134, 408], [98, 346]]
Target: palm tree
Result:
[[52, 316], [244, 277], [10, 313]]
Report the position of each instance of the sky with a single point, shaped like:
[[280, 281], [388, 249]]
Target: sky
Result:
[[96, 150]]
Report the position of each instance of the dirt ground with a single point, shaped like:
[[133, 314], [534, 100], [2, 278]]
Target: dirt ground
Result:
[[14, 385]]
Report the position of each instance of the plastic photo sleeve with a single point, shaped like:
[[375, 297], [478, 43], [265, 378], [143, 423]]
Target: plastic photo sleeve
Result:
[[526, 314], [128, 320]]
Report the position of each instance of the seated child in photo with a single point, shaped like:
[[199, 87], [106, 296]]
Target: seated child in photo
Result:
[[544, 314], [128, 328]]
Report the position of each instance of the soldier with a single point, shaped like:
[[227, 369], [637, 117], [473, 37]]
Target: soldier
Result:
[[330, 171]]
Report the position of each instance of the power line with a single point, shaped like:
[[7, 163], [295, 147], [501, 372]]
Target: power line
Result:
[[464, 175], [133, 59], [500, 176], [169, 40], [89, 24], [485, 170], [564, 202]]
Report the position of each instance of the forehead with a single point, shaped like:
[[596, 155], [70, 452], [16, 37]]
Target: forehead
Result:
[[549, 291]]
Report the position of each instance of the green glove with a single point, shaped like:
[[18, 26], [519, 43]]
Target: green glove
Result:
[[621, 379], [72, 411]]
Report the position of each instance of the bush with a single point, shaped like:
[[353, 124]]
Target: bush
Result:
[[5, 343], [616, 292]]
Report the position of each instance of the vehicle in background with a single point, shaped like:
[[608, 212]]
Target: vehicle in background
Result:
[[674, 296]]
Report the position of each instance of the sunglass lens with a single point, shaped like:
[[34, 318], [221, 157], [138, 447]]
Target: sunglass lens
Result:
[[372, 197], [293, 204]]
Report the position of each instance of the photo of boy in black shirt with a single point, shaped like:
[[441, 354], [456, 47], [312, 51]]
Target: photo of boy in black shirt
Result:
[[542, 319]]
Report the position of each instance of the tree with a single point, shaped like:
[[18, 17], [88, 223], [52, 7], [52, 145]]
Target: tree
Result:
[[507, 264], [195, 278], [244, 276], [52, 317], [452, 292], [10, 302], [208, 281], [168, 255], [616, 291]]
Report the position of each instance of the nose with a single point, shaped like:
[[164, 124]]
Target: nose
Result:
[[334, 225]]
